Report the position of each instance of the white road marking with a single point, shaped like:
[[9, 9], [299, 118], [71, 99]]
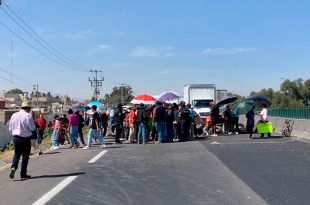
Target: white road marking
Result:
[[49, 195], [93, 160]]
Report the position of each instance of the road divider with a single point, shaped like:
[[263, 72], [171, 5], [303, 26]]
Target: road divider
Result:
[[93, 160], [49, 195]]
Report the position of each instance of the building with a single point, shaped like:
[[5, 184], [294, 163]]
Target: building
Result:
[[2, 103]]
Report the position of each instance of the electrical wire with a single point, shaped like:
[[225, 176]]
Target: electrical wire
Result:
[[47, 46], [37, 50]]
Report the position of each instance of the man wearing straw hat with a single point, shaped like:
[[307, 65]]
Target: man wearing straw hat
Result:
[[21, 128]]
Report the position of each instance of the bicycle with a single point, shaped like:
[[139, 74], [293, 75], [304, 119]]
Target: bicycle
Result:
[[287, 128]]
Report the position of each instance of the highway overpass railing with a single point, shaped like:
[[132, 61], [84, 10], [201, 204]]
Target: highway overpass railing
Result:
[[295, 113]]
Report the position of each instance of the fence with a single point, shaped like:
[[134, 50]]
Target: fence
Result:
[[296, 113]]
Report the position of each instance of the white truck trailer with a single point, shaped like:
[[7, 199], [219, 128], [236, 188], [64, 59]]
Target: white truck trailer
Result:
[[200, 96]]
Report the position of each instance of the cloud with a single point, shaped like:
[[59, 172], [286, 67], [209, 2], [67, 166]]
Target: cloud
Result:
[[143, 52], [117, 33], [79, 35], [103, 46], [122, 64], [185, 71], [99, 48], [228, 51]]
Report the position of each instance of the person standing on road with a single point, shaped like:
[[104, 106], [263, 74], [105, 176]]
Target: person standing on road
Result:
[[215, 112], [21, 127], [250, 121], [118, 123], [104, 123], [73, 128], [132, 118], [80, 128], [169, 124], [56, 133], [227, 120], [192, 124], [94, 129], [141, 121], [185, 119], [159, 121], [264, 117], [41, 122]]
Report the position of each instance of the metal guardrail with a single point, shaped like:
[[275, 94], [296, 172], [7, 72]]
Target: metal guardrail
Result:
[[296, 113]]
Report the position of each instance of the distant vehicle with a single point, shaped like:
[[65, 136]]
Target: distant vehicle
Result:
[[200, 96]]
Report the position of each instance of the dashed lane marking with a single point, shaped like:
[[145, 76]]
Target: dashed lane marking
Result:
[[49, 195], [93, 160]]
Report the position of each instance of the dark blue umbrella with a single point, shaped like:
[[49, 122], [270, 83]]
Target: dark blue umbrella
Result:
[[259, 100], [226, 101]]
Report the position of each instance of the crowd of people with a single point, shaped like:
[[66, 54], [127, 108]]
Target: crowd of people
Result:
[[141, 124]]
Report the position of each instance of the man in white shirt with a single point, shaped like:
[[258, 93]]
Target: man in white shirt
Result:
[[21, 127]]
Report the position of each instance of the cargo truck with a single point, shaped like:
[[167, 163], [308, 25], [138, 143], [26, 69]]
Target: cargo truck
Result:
[[200, 96]]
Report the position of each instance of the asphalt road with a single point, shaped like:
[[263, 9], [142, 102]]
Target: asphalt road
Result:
[[277, 169], [219, 171]]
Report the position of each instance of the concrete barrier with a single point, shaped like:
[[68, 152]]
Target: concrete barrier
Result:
[[4, 135], [301, 127]]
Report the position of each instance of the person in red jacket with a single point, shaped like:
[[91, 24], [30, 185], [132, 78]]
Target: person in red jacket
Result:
[[41, 122]]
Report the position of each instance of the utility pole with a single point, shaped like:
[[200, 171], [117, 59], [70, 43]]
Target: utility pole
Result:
[[96, 83], [122, 93], [36, 90]]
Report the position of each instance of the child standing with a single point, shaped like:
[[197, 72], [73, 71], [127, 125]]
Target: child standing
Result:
[[54, 138]]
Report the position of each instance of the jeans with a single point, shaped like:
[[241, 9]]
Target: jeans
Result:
[[170, 131], [142, 132], [22, 147], [160, 128], [73, 131], [118, 134], [94, 133], [54, 137], [132, 134], [80, 134], [39, 137], [104, 129], [185, 125]]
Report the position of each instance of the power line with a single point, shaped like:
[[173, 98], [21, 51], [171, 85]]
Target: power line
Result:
[[37, 50], [47, 46]]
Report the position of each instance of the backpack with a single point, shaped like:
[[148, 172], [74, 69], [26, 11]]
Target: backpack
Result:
[[185, 114]]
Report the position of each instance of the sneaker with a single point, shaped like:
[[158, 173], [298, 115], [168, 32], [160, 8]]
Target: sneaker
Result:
[[55, 148], [86, 147], [103, 146], [229, 133], [25, 176], [236, 133], [52, 147], [214, 135], [12, 174]]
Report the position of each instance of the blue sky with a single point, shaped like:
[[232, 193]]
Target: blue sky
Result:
[[160, 45]]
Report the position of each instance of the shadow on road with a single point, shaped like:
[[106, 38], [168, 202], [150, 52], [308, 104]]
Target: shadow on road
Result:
[[257, 137], [58, 175], [48, 153]]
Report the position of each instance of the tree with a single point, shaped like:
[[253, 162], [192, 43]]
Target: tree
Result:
[[15, 91], [118, 94], [294, 93]]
